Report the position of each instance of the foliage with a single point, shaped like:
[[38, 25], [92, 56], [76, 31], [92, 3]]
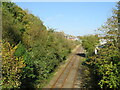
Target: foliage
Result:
[[106, 64], [11, 69], [89, 43], [31, 43]]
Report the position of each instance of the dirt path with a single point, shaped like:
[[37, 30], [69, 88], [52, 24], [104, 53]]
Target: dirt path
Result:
[[66, 76]]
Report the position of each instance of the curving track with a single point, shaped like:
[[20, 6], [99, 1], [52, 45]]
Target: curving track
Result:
[[66, 76]]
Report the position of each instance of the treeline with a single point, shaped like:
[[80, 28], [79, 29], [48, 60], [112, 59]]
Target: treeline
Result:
[[89, 42], [105, 65], [30, 52]]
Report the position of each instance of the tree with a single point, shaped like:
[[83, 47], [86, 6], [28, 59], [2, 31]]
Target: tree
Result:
[[106, 64]]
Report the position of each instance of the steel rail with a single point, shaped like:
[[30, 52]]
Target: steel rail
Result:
[[70, 61], [67, 74]]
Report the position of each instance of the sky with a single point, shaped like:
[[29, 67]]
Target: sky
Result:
[[74, 18]]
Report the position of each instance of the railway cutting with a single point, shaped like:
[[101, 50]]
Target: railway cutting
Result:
[[65, 77]]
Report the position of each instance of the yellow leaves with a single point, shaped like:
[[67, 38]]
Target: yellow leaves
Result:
[[11, 66], [88, 62], [15, 47]]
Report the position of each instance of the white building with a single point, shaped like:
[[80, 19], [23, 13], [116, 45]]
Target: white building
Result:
[[102, 42]]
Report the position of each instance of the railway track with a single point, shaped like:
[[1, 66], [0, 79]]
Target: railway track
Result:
[[67, 76], [63, 76]]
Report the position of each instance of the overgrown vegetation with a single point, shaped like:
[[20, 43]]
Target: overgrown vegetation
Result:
[[89, 43], [31, 52], [105, 65]]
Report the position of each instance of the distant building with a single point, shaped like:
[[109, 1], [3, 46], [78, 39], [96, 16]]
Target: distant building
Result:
[[102, 41], [70, 37], [101, 45]]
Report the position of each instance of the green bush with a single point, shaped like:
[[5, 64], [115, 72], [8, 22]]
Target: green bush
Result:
[[39, 48], [106, 64]]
